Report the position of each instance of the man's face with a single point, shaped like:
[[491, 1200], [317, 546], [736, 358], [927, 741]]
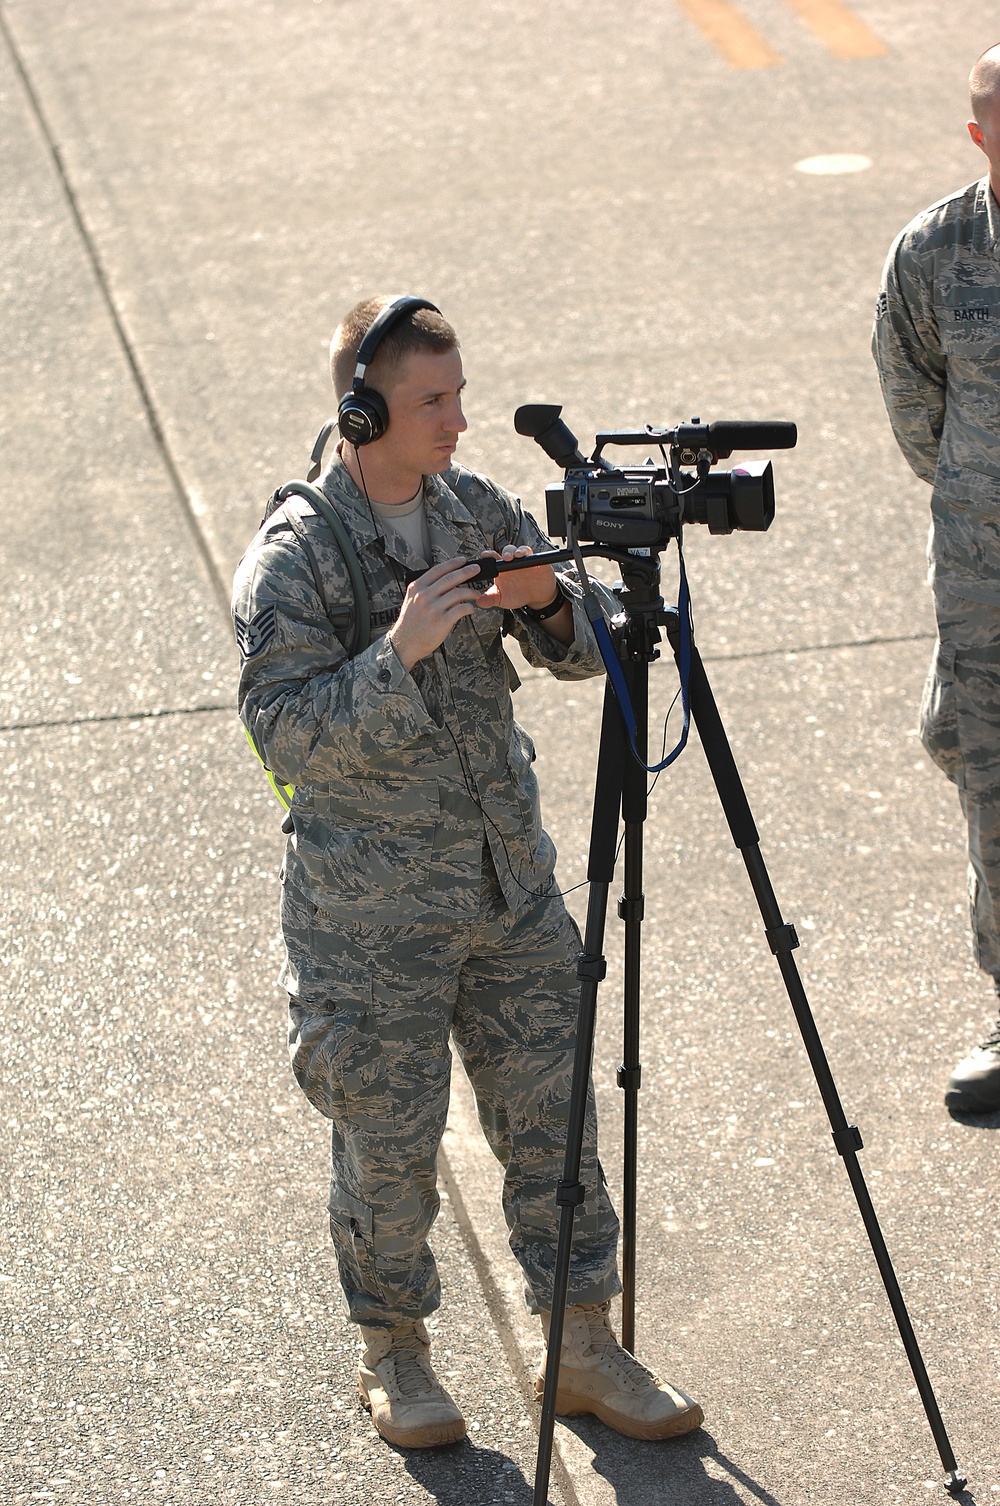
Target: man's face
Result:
[[425, 414]]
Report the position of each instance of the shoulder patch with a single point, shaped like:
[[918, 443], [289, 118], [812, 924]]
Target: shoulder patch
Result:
[[882, 306], [255, 634]]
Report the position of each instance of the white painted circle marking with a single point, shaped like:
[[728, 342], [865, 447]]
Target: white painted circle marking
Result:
[[836, 162]]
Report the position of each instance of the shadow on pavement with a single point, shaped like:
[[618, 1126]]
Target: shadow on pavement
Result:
[[639, 1474], [673, 1473], [465, 1475], [989, 1121]]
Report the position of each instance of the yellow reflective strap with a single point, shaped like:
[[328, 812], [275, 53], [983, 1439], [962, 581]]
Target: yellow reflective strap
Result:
[[284, 792]]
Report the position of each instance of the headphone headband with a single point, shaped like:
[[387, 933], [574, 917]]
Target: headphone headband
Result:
[[363, 414], [392, 314]]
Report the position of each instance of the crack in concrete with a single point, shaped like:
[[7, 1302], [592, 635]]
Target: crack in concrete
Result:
[[103, 282], [116, 716], [816, 648], [496, 1307]]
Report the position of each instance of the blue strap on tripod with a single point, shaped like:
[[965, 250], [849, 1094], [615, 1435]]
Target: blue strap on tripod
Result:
[[617, 676]]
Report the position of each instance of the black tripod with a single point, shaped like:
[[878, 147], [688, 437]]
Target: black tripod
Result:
[[621, 787]]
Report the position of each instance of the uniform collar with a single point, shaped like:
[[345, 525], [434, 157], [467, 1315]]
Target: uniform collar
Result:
[[453, 528], [986, 220], [338, 484]]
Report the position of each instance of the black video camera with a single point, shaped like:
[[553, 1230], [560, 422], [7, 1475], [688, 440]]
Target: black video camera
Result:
[[644, 506]]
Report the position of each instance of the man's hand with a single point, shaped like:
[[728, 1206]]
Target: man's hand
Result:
[[518, 588], [431, 607], [528, 588]]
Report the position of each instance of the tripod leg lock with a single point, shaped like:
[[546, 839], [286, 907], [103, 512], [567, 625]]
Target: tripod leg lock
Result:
[[848, 1140], [631, 911], [591, 969], [570, 1194], [629, 1079], [782, 939]]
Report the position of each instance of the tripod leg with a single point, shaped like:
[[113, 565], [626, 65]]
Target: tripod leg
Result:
[[630, 910], [590, 971], [782, 941]]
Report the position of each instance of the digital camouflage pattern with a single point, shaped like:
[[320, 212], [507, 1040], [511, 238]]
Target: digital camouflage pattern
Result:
[[936, 342], [393, 772], [960, 728], [371, 1013], [418, 893]]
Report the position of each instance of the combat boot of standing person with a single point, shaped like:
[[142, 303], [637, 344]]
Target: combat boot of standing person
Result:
[[418, 897], [936, 342]]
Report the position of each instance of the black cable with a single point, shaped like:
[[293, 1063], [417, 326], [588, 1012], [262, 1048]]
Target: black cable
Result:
[[400, 584], [473, 796], [663, 744]]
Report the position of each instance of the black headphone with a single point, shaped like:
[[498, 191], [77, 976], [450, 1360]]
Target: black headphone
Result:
[[362, 414]]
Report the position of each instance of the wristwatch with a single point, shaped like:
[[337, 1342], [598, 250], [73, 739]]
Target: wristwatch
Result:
[[539, 614]]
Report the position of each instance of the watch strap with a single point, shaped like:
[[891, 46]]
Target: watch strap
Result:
[[539, 614]]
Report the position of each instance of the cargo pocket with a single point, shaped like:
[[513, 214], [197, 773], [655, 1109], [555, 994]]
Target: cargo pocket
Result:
[[337, 1057], [352, 1229], [938, 714]]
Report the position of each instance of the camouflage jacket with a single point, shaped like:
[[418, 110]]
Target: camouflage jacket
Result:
[[395, 771], [936, 342]]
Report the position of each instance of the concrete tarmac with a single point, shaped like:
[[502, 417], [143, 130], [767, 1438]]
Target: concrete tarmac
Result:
[[609, 210]]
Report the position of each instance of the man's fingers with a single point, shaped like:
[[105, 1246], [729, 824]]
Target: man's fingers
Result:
[[443, 577], [446, 567]]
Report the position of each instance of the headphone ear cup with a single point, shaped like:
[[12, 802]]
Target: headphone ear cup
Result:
[[362, 416]]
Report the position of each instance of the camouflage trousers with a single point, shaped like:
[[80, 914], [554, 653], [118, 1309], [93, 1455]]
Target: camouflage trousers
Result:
[[960, 728], [371, 1011]]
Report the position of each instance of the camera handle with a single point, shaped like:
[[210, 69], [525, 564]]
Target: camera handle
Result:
[[620, 790], [489, 568]]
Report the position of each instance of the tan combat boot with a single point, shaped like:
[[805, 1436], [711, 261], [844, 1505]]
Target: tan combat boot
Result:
[[408, 1403], [597, 1375]]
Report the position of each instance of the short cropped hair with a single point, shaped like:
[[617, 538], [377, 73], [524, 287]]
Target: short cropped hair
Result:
[[984, 83], [424, 329]]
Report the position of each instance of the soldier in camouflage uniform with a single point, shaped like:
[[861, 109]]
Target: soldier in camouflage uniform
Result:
[[418, 896], [936, 342]]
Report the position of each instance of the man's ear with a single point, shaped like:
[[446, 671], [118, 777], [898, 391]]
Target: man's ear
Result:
[[975, 132]]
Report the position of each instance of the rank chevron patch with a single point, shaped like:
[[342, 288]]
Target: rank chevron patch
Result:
[[254, 635]]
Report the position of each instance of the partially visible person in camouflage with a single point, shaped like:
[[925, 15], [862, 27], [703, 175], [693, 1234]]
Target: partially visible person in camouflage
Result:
[[418, 895], [936, 342]]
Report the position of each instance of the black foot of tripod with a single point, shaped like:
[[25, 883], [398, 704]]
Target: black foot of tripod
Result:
[[621, 788]]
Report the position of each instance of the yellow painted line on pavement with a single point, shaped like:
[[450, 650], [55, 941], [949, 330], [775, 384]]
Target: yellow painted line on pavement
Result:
[[838, 28], [729, 31]]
